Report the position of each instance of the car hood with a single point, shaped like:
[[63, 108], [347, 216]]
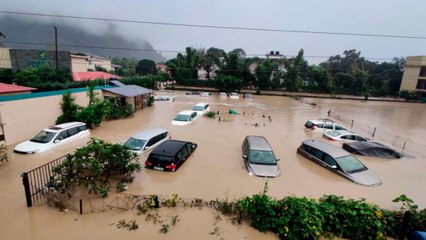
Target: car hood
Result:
[[367, 178], [264, 170], [30, 147]]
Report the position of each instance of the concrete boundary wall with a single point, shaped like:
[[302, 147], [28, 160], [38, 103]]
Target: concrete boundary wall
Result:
[[24, 118]]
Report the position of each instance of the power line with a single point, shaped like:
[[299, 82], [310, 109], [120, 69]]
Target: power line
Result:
[[218, 26]]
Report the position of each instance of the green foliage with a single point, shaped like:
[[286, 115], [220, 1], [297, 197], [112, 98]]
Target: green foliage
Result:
[[94, 167], [149, 81], [3, 153], [93, 114], [293, 79], [118, 111], [128, 66], [146, 67], [408, 95], [263, 211], [6, 76], [353, 219], [264, 74], [31, 77], [69, 109], [228, 83], [131, 225], [173, 201], [151, 101], [211, 114]]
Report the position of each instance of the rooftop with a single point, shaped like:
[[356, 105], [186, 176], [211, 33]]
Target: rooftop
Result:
[[11, 88]]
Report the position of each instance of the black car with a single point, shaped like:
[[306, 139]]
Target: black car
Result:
[[371, 149], [170, 155]]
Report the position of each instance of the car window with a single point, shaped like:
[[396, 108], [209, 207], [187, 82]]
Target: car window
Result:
[[328, 126], [184, 151], [72, 131], [348, 137], [207, 106], [135, 144], [350, 164], [182, 117], [82, 128], [329, 160], [43, 137], [307, 148], [359, 138], [317, 153], [338, 127], [62, 135], [150, 142], [189, 147]]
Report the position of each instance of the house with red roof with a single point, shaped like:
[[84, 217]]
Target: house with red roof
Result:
[[90, 76], [11, 89]]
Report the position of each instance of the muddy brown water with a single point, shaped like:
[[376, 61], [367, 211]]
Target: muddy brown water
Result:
[[216, 169]]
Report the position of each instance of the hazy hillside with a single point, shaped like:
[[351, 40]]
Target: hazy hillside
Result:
[[27, 31]]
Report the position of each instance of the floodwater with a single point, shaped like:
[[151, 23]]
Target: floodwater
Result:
[[216, 170]]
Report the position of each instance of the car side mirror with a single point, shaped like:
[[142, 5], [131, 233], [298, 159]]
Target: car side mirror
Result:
[[334, 167], [56, 141], [277, 159], [245, 156], [147, 147]]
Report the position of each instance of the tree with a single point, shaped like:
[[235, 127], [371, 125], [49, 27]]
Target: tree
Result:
[[321, 77], [185, 67], [226, 83], [264, 74], [146, 67], [293, 81], [69, 109], [41, 75]]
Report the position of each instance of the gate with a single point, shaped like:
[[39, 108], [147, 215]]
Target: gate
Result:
[[35, 181]]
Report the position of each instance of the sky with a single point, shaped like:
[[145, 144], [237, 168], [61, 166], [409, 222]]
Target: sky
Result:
[[378, 17]]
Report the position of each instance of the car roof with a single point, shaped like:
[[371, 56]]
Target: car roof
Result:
[[147, 134], [64, 126], [258, 143], [169, 148], [367, 145], [331, 150], [187, 112]]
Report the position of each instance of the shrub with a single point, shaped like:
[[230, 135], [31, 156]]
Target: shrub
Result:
[[408, 95], [117, 111], [211, 114]]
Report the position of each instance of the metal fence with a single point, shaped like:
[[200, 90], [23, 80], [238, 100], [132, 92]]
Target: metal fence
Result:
[[36, 181]]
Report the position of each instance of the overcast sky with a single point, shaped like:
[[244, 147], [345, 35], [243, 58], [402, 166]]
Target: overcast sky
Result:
[[387, 17]]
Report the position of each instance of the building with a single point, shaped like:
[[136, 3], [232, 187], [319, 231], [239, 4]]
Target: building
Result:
[[24, 58], [414, 77], [90, 76], [134, 95], [5, 62], [84, 63], [11, 89]]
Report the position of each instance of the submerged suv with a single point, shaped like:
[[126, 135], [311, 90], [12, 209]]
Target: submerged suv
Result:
[[259, 157], [170, 155], [338, 161], [52, 137], [148, 139]]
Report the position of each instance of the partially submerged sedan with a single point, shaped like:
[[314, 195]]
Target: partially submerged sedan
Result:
[[344, 135], [170, 155], [371, 149], [339, 161], [259, 158], [184, 118]]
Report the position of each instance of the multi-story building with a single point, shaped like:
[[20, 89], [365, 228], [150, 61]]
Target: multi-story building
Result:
[[414, 78]]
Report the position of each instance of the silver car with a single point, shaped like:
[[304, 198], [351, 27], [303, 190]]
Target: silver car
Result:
[[259, 157], [339, 161]]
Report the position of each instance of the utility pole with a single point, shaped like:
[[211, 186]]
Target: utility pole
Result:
[[56, 47]]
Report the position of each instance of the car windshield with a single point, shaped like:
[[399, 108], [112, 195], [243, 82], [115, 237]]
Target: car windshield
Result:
[[43, 137], [350, 164], [182, 117], [135, 144], [234, 94], [261, 157], [198, 108]]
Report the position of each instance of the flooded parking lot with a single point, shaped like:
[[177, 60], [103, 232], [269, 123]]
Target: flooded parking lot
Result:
[[217, 170]]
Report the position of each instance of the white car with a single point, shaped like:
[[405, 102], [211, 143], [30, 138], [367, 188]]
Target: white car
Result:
[[165, 98], [53, 136], [222, 95], [234, 95], [146, 140], [204, 94], [323, 125], [185, 117], [343, 135], [201, 108]]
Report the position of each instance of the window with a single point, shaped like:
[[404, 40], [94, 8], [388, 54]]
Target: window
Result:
[[82, 128], [422, 72], [329, 160], [307, 148], [62, 135], [72, 131], [421, 84], [318, 154], [150, 142]]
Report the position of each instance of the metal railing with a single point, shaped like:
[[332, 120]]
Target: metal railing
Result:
[[36, 181]]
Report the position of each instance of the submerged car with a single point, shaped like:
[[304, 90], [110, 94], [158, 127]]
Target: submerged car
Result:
[[223, 95], [259, 158], [165, 98], [234, 95], [248, 96], [53, 137], [170, 155], [343, 135], [323, 125], [371, 149], [184, 118], [338, 161], [201, 108], [146, 140]]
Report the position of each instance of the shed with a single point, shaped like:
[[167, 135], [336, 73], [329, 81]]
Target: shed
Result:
[[131, 94]]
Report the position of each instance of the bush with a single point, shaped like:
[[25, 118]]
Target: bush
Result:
[[408, 95], [117, 111], [94, 166], [211, 114]]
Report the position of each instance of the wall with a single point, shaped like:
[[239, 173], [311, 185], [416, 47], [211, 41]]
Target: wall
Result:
[[24, 58], [5, 58], [23, 119]]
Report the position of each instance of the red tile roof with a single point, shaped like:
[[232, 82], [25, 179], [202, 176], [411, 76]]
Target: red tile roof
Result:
[[87, 76], [10, 88]]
